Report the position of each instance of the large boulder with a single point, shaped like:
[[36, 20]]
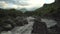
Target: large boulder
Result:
[[39, 27]]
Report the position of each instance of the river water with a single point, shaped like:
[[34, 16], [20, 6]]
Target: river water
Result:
[[26, 29]]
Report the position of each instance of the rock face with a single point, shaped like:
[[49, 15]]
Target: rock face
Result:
[[57, 15], [39, 27]]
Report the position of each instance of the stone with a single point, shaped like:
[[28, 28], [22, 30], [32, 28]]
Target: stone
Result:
[[21, 22], [7, 25], [39, 27]]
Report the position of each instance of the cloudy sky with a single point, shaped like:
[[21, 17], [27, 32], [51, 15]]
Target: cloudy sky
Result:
[[24, 4]]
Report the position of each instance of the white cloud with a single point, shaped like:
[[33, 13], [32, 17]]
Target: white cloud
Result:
[[24, 4], [3, 4], [49, 1]]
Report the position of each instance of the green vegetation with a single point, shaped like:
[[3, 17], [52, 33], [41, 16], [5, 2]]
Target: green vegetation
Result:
[[10, 12]]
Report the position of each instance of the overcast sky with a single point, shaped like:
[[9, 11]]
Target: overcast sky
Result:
[[24, 4]]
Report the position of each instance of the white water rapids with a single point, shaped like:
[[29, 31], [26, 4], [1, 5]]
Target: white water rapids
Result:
[[26, 29]]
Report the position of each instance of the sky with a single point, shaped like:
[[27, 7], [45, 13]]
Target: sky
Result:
[[26, 5]]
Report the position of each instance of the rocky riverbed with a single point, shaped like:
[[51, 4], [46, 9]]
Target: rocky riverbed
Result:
[[27, 27]]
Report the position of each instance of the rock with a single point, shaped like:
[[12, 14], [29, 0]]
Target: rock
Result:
[[21, 21], [25, 21], [39, 27], [54, 29], [7, 25], [1, 28]]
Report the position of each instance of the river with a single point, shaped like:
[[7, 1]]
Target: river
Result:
[[26, 29]]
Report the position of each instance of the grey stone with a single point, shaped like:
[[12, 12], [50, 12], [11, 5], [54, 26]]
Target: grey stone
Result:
[[39, 27]]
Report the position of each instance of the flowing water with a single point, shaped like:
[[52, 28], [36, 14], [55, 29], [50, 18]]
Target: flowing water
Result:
[[26, 29], [49, 22]]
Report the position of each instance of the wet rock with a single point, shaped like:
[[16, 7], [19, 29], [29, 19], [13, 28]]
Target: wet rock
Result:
[[39, 27], [6, 25], [1, 28], [54, 30], [21, 21]]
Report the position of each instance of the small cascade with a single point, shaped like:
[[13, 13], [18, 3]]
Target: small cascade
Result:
[[26, 29], [49, 22]]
